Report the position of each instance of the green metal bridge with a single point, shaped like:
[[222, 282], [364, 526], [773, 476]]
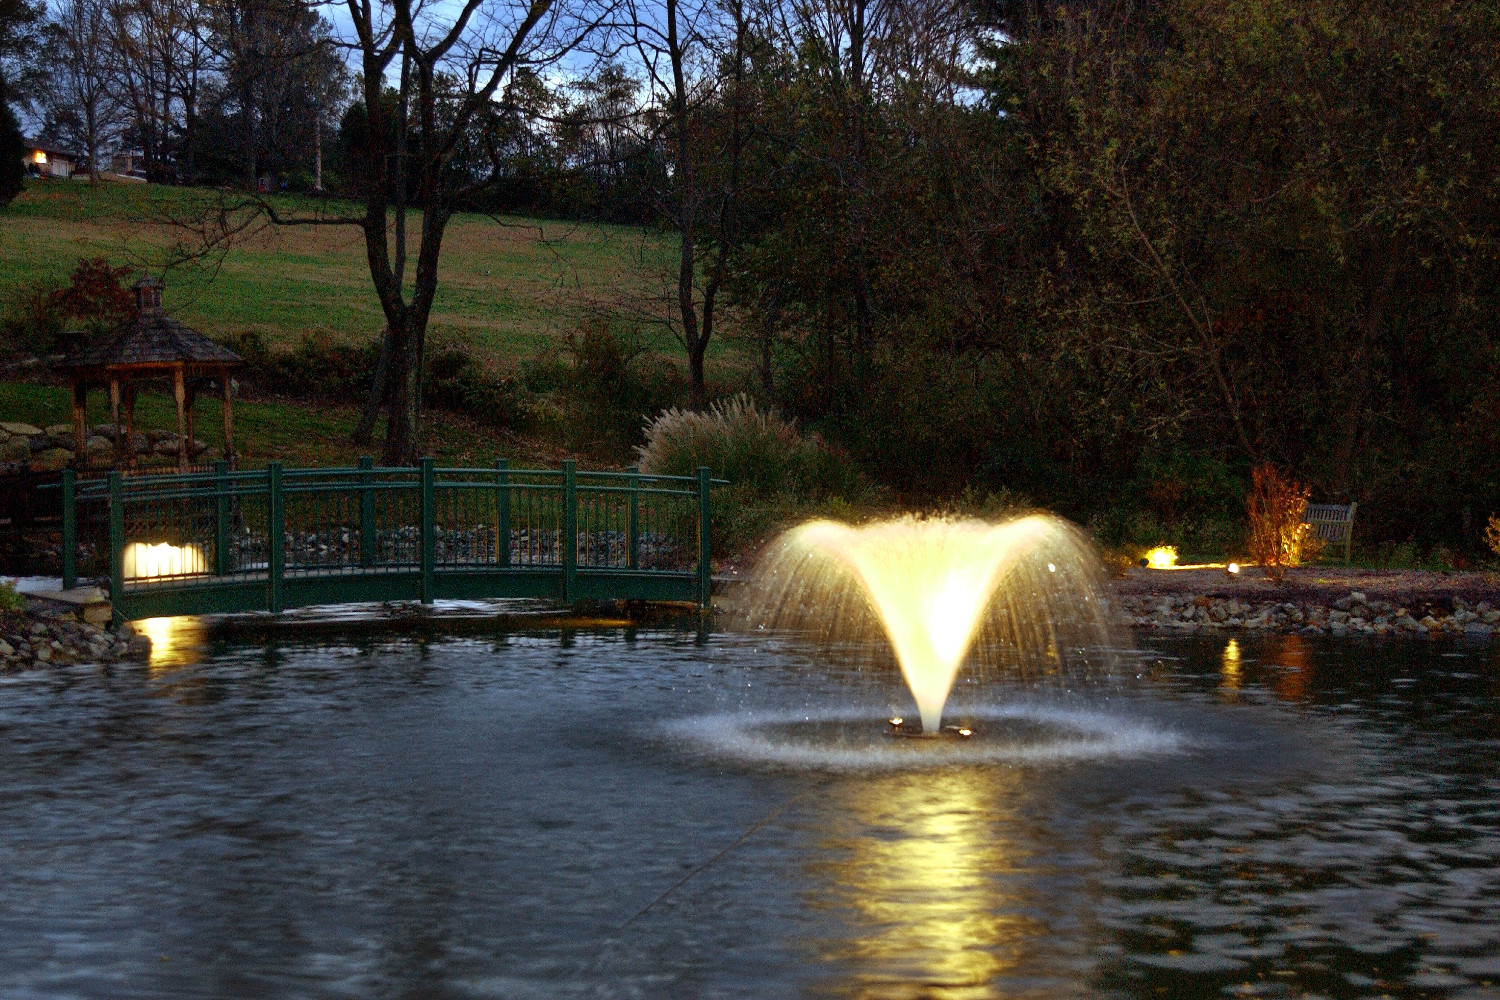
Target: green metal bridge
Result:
[[272, 539]]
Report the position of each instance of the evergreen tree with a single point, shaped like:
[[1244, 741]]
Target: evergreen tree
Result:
[[12, 151]]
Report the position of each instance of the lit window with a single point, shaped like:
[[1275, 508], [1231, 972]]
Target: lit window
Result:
[[41, 157]]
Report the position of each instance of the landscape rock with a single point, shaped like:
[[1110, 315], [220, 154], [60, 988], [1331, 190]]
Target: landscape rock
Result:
[[16, 449], [1357, 617], [43, 635], [19, 429], [51, 460]]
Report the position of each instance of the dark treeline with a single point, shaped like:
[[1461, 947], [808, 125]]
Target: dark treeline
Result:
[[1112, 254], [1105, 254]]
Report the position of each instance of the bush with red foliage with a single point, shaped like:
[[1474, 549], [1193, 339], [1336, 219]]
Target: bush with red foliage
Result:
[[48, 319]]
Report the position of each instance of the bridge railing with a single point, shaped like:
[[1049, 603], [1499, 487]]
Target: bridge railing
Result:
[[425, 532]]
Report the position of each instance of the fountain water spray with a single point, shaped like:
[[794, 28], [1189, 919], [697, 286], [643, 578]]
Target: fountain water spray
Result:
[[1009, 596]]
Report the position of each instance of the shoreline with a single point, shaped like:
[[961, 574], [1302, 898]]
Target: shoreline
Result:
[[1313, 600]]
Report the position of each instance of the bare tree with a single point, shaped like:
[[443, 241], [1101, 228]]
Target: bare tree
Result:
[[458, 56], [694, 57], [150, 37], [81, 95]]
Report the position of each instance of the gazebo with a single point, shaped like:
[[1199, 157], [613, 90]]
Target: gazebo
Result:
[[151, 345]]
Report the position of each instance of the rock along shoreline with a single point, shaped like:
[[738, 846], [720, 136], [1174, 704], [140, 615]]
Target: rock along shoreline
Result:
[[1353, 614], [45, 635]]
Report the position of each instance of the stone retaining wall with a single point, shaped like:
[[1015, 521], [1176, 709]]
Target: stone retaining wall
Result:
[[51, 448]]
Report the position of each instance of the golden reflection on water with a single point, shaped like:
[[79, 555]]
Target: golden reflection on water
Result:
[[1229, 670], [175, 642], [1292, 659], [919, 874]]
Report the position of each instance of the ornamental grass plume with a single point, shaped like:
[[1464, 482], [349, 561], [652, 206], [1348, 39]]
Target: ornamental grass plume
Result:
[[754, 449], [1280, 537]]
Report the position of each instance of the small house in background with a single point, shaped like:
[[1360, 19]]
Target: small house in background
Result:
[[126, 165], [47, 159]]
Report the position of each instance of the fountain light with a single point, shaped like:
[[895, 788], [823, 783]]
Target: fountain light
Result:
[[1162, 557]]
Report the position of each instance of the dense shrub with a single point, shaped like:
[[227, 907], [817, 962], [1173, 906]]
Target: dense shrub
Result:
[[455, 381], [320, 369], [1279, 537], [317, 367], [611, 387], [753, 449]]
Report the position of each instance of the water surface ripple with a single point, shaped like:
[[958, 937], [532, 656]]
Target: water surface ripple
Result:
[[566, 815]]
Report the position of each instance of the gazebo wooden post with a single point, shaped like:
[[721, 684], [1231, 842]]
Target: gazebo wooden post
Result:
[[192, 398], [129, 425], [179, 390], [114, 417], [228, 417], [80, 422]]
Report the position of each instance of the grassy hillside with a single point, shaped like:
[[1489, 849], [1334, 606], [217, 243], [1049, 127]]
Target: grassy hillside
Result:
[[510, 289]]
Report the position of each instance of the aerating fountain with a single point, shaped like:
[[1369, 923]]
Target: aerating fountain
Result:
[[1006, 599]]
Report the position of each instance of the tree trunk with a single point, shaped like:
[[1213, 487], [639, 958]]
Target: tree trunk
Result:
[[686, 215], [364, 431], [398, 450]]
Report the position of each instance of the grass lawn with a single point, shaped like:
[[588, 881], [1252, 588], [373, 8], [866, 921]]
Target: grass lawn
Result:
[[296, 434], [510, 289]]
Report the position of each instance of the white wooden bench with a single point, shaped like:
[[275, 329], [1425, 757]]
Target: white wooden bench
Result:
[[1333, 523]]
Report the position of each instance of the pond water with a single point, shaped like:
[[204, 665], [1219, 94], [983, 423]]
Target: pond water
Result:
[[672, 814]]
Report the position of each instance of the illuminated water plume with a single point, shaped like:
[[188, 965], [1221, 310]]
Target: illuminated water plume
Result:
[[1008, 596]]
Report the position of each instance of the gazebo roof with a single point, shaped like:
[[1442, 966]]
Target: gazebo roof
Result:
[[151, 339]]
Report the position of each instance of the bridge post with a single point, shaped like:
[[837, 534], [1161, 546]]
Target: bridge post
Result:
[[221, 518], [70, 529], [570, 530], [502, 512], [705, 568], [429, 529], [116, 539], [368, 543], [275, 537], [634, 532]]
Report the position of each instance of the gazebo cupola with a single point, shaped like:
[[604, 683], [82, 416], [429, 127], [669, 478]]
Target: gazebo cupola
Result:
[[151, 345]]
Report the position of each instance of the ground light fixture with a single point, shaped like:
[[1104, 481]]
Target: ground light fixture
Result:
[[141, 561], [1161, 557]]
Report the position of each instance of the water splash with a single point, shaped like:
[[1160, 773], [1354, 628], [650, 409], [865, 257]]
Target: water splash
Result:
[[1009, 596], [840, 739]]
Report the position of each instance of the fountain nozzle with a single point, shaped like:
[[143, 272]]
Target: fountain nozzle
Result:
[[901, 727]]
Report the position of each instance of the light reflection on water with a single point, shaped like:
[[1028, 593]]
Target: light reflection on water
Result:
[[175, 642], [1229, 670], [919, 877]]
